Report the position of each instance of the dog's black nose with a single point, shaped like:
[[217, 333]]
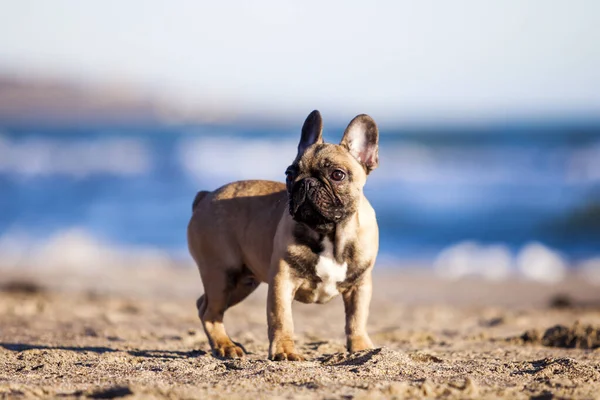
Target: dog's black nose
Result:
[[309, 183]]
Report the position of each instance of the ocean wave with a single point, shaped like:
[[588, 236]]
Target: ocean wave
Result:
[[470, 258], [233, 157], [534, 261], [421, 164], [229, 159], [76, 158], [541, 263], [74, 249]]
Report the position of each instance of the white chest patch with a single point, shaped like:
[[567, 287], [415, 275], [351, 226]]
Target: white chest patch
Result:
[[330, 272]]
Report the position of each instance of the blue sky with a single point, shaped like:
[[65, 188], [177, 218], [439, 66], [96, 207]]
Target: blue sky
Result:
[[396, 60]]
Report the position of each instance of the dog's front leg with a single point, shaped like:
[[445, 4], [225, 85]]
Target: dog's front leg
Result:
[[356, 304], [279, 315]]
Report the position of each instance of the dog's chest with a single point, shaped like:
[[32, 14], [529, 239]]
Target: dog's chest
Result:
[[330, 272]]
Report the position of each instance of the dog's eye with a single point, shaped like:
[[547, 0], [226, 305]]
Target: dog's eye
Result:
[[338, 175]]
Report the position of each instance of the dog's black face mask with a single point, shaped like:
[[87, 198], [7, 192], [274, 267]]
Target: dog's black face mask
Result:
[[315, 204]]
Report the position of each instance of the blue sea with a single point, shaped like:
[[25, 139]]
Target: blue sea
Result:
[[132, 186]]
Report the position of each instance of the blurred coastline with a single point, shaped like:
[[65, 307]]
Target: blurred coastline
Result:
[[39, 100], [106, 174]]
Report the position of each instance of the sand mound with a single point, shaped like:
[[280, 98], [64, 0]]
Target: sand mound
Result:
[[577, 336]]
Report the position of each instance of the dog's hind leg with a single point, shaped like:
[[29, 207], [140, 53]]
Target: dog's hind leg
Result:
[[224, 289]]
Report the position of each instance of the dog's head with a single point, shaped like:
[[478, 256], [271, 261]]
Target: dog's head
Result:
[[325, 181]]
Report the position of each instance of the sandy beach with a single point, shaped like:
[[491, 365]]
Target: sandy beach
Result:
[[134, 333]]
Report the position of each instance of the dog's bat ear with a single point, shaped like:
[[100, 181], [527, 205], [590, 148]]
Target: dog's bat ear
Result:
[[312, 131], [361, 138]]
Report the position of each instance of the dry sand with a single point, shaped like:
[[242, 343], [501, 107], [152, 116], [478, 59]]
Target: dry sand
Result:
[[135, 334]]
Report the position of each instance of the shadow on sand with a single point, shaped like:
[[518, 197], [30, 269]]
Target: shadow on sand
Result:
[[101, 350]]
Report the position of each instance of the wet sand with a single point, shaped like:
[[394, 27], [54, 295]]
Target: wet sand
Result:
[[134, 334]]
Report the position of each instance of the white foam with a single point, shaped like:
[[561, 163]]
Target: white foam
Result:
[[75, 158], [227, 159], [418, 163], [469, 258], [540, 263], [495, 262], [73, 249]]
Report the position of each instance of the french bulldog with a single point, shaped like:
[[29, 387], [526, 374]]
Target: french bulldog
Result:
[[311, 238]]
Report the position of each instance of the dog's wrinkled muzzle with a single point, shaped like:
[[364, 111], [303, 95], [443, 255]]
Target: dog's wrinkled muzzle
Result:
[[301, 192]]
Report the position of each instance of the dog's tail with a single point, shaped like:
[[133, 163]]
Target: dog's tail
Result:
[[199, 196]]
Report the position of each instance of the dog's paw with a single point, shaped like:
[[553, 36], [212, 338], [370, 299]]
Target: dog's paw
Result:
[[228, 351], [287, 356], [283, 349], [359, 343]]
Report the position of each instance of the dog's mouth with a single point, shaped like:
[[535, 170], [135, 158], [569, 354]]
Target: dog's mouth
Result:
[[311, 203]]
